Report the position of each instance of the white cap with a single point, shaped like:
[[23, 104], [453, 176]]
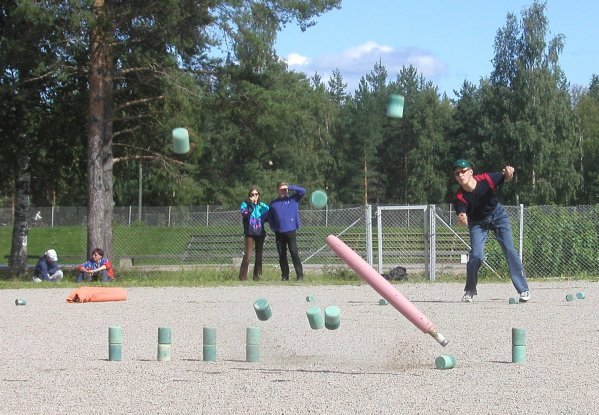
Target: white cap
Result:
[[51, 253]]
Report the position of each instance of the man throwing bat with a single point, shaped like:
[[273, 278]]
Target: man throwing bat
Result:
[[477, 206]]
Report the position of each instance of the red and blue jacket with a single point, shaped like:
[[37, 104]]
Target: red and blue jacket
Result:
[[91, 265]]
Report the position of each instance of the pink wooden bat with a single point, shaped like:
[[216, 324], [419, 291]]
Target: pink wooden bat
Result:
[[384, 288]]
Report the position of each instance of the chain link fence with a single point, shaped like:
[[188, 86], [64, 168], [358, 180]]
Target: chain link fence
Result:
[[553, 241]]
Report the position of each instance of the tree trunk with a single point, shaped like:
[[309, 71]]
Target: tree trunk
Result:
[[18, 253], [99, 146]]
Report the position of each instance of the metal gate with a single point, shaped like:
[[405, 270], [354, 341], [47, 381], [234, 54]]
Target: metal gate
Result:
[[406, 237]]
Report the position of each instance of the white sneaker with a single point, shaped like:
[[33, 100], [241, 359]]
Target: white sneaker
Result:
[[36, 279], [467, 298], [524, 296]]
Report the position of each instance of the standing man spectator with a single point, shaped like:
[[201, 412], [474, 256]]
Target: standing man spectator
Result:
[[283, 218], [478, 207], [47, 268]]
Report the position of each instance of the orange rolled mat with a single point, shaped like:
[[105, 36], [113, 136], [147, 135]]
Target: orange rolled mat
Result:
[[97, 294]]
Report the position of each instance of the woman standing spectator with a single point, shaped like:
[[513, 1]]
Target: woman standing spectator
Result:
[[252, 214]]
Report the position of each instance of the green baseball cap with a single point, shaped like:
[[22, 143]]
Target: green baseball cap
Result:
[[462, 164]]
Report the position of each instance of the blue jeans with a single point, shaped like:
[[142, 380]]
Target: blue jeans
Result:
[[499, 223], [284, 240], [82, 276]]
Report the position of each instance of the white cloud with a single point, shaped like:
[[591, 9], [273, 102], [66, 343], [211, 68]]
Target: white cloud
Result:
[[358, 61], [295, 59]]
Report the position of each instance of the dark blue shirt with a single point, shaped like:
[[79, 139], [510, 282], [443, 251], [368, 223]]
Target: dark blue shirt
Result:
[[283, 215], [481, 202]]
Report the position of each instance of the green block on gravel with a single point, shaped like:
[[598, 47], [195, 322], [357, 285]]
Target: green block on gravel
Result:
[[165, 335], [445, 361], [209, 353], [209, 336], [252, 335], [164, 352], [518, 354], [518, 336], [115, 335], [252, 352], [115, 352]]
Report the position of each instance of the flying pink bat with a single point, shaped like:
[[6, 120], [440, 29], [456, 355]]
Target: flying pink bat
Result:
[[384, 288]]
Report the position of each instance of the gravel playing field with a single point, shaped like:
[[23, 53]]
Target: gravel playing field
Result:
[[54, 355]]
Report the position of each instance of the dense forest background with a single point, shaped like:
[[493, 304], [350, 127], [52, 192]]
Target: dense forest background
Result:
[[90, 91]]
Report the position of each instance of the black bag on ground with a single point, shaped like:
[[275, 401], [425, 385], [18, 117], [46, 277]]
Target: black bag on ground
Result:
[[398, 273]]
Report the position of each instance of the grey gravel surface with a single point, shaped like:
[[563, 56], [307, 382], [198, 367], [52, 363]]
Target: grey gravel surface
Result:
[[54, 355]]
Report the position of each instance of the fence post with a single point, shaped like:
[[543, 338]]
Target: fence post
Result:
[[52, 217], [430, 246], [379, 227], [207, 209], [169, 216], [368, 225]]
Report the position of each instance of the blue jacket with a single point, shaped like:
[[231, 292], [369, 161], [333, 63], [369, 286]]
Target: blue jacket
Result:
[[44, 269], [283, 215]]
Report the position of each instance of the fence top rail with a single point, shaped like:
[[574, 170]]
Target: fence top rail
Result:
[[403, 207]]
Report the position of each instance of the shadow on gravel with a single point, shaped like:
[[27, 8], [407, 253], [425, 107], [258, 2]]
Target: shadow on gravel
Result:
[[339, 372]]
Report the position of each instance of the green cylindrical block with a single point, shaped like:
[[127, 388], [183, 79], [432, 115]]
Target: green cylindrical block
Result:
[[580, 295], [310, 298], [315, 318], [164, 352], [165, 335], [514, 300], [570, 297], [209, 336], [209, 353], [115, 352], [20, 301], [252, 352], [518, 354], [262, 308], [395, 106], [115, 335], [518, 337], [332, 317], [382, 301], [180, 140], [445, 361], [252, 335]]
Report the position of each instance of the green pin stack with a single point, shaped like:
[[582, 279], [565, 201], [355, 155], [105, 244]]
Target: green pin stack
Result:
[[165, 337], [115, 343], [209, 346], [252, 344], [518, 345]]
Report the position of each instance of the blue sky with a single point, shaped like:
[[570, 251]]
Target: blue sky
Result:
[[448, 41]]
